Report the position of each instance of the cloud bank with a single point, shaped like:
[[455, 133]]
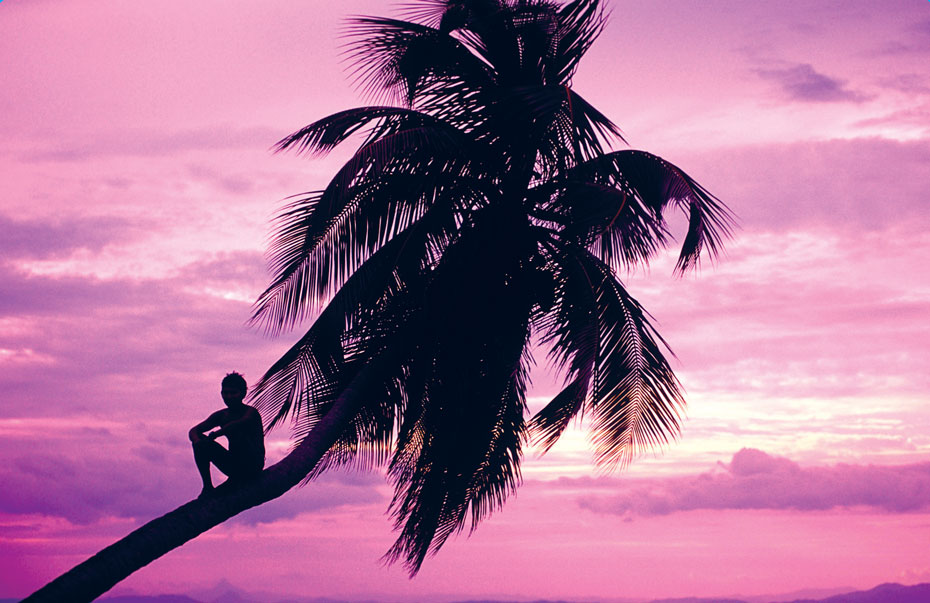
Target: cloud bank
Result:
[[115, 476], [756, 480]]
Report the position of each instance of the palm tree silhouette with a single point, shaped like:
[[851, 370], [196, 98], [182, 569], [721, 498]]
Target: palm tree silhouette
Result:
[[481, 213]]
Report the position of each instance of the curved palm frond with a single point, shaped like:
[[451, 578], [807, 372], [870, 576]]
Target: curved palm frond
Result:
[[570, 331], [654, 183], [636, 398], [616, 368], [580, 23], [615, 223], [325, 134], [323, 237], [408, 59], [305, 378]]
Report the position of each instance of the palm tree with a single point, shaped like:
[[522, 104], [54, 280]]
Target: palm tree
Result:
[[481, 215]]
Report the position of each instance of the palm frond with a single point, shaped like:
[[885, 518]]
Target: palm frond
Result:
[[636, 398], [603, 341], [549, 423], [591, 126], [459, 445], [656, 183], [325, 134], [580, 23], [384, 352], [405, 58], [570, 330], [307, 376], [613, 222], [429, 12], [323, 237]]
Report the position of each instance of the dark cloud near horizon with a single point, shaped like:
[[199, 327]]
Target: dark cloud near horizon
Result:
[[115, 477], [756, 480], [801, 82]]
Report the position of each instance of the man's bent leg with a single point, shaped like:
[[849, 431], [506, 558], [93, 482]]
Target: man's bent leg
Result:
[[207, 452]]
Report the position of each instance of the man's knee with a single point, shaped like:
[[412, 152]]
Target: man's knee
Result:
[[205, 446]]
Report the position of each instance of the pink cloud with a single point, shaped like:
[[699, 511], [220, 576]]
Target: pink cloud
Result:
[[149, 143], [130, 349], [914, 40], [847, 186], [803, 83], [37, 239], [756, 480]]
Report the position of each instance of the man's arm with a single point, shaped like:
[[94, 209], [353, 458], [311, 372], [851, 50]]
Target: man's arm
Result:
[[199, 430]]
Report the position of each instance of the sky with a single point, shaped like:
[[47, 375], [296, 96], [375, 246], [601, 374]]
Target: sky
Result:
[[136, 191]]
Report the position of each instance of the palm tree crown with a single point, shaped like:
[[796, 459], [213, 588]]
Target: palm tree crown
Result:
[[483, 211]]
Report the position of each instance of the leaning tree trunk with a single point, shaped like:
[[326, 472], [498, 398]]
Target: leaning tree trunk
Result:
[[100, 573]]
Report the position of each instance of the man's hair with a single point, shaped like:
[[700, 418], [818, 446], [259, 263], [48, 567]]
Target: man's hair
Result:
[[235, 380]]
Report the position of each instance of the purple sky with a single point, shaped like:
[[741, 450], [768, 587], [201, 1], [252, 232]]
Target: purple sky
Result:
[[137, 187]]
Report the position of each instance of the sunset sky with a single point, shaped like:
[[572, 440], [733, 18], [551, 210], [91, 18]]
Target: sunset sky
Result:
[[136, 190]]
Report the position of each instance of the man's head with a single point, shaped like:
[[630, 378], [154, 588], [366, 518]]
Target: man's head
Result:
[[233, 388]]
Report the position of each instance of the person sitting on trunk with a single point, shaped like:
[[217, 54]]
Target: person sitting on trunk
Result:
[[241, 425]]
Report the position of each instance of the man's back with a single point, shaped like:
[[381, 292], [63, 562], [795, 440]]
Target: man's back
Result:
[[245, 433]]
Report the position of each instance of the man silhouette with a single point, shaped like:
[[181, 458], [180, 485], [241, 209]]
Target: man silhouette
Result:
[[241, 425]]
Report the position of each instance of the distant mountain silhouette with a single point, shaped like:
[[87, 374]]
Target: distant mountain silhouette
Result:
[[534, 601], [697, 600], [229, 597], [150, 599], [883, 593], [496, 601]]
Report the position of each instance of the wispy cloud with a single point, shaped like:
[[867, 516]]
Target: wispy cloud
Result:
[[152, 143], [104, 340], [914, 40], [801, 82], [842, 185], [55, 238]]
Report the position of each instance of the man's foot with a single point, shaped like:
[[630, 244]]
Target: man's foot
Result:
[[207, 492]]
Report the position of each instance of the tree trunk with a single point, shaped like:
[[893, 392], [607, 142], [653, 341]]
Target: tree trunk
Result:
[[100, 573]]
